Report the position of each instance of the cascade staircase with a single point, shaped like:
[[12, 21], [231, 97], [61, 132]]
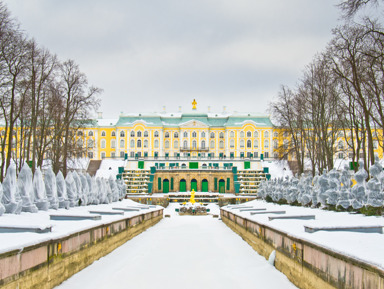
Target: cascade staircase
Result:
[[93, 166]]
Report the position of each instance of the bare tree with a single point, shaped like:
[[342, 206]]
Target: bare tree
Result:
[[350, 7], [77, 101]]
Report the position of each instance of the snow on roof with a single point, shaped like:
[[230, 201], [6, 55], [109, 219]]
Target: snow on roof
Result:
[[107, 121]]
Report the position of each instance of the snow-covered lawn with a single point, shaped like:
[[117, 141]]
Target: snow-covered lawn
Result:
[[363, 246], [182, 252]]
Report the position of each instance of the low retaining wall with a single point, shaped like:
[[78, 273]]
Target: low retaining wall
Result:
[[305, 264], [46, 265]]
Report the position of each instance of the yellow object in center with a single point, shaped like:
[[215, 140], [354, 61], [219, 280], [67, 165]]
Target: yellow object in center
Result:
[[192, 199], [194, 103]]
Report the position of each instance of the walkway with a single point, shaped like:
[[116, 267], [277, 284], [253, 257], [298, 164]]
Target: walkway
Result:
[[182, 252]]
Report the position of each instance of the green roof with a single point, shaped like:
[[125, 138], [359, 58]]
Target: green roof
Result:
[[180, 119]]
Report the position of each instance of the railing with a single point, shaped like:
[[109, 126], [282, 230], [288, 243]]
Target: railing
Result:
[[194, 149]]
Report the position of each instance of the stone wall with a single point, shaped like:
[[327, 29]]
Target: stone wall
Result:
[[47, 264], [306, 265]]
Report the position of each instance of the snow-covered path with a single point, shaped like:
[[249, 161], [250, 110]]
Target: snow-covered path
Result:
[[182, 252]]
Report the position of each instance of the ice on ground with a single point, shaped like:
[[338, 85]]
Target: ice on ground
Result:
[[182, 252]]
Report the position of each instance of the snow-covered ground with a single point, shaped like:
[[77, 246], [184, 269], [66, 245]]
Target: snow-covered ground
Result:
[[17, 241], [363, 246], [109, 167], [182, 252]]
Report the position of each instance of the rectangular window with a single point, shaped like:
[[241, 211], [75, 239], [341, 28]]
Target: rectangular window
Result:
[[159, 183], [266, 155], [90, 155], [215, 184], [132, 154], [172, 184], [228, 184]]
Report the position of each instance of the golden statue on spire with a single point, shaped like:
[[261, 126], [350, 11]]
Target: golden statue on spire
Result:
[[194, 103]]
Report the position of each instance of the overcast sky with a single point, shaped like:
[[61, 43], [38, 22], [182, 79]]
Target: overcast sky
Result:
[[146, 54]]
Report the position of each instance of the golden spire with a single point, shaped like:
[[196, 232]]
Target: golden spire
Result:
[[194, 104]]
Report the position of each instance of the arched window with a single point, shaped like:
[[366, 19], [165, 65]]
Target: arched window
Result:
[[122, 133], [156, 134], [256, 143], [113, 133], [256, 134], [242, 143], [241, 134], [341, 145], [156, 143], [212, 135], [375, 144], [275, 155], [175, 144], [166, 144], [285, 144], [203, 144], [232, 143], [90, 143], [185, 134], [113, 143], [132, 143], [194, 144], [212, 144], [185, 144], [275, 144], [145, 134], [139, 143], [132, 133], [166, 134], [266, 143], [103, 144], [139, 133], [122, 143], [194, 134], [102, 155], [232, 134], [79, 133], [203, 134], [249, 144], [249, 134], [221, 135], [103, 133], [176, 134], [221, 144], [266, 134], [275, 134], [145, 143]]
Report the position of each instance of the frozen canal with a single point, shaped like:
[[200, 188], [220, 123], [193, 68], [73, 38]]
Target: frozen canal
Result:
[[182, 252]]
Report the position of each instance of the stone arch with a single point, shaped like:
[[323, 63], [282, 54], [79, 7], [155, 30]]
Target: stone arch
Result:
[[165, 186], [222, 186], [194, 184], [204, 185], [183, 185]]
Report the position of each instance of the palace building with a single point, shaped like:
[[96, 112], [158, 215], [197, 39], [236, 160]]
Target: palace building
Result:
[[167, 152]]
